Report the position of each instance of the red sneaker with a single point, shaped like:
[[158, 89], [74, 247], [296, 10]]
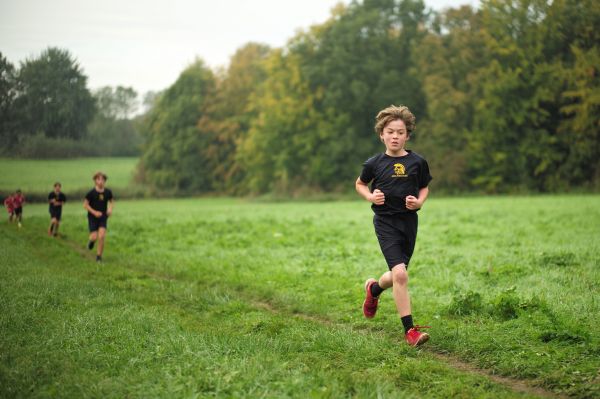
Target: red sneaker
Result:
[[414, 337], [370, 303]]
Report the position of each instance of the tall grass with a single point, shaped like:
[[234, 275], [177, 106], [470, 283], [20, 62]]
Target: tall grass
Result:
[[224, 297]]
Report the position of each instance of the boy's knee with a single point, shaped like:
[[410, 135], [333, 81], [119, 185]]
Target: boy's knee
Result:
[[101, 233], [399, 274]]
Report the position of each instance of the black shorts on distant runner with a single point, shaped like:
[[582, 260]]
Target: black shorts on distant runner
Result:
[[397, 235], [56, 213], [95, 223], [18, 211]]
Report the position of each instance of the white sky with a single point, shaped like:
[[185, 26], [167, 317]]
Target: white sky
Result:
[[147, 43]]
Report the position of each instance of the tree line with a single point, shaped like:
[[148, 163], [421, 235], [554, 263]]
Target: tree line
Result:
[[47, 110], [507, 99], [506, 96]]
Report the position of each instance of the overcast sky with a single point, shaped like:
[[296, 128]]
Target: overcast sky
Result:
[[147, 43]]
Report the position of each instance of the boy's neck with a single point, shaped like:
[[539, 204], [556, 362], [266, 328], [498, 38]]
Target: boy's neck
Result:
[[400, 153], [99, 189]]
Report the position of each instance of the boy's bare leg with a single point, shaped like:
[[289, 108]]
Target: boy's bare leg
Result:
[[400, 291], [385, 281], [56, 224], [93, 236], [101, 235], [92, 239]]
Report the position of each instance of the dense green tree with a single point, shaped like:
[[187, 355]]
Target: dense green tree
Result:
[[449, 60], [7, 97], [228, 115], [116, 102], [174, 155], [362, 61], [278, 154], [316, 109], [112, 132], [52, 97], [580, 128], [515, 140], [506, 98]]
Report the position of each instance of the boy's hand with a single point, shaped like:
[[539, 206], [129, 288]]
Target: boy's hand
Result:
[[97, 214], [413, 203], [108, 212], [377, 197]]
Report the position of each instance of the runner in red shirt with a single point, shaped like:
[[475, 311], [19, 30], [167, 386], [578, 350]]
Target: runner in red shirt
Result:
[[10, 208]]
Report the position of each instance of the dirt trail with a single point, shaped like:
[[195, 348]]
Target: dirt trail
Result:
[[77, 247], [521, 386]]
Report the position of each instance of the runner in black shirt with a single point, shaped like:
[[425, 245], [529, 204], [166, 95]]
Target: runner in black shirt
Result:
[[56, 200], [399, 180], [99, 204]]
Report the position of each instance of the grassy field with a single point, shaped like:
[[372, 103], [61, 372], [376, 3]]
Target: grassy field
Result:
[[37, 176], [226, 298]]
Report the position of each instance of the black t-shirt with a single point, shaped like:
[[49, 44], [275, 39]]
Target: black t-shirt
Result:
[[98, 201], [397, 178], [58, 197]]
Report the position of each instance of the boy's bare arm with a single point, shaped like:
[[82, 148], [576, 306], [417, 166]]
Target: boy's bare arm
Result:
[[413, 202], [377, 197], [110, 207], [87, 207]]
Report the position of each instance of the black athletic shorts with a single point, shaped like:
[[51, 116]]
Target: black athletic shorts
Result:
[[56, 213], [95, 223], [18, 211], [397, 235]]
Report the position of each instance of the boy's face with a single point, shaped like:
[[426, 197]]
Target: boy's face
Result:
[[99, 181], [57, 188], [394, 135]]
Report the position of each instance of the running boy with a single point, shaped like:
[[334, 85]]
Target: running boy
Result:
[[399, 180], [18, 201], [56, 200], [8, 204], [99, 204]]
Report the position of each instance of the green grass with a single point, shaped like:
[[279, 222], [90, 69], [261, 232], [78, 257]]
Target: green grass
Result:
[[220, 297], [38, 176]]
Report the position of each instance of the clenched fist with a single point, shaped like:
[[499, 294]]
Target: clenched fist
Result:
[[377, 197], [413, 203]]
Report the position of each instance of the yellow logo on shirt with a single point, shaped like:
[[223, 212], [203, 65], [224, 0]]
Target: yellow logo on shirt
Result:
[[101, 197], [399, 170]]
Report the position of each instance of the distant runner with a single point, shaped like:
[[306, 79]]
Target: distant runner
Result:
[[99, 204], [8, 204], [18, 201], [56, 200]]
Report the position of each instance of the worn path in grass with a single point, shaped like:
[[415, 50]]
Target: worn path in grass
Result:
[[521, 386], [270, 277]]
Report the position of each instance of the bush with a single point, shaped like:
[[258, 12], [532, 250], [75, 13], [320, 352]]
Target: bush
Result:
[[40, 146], [506, 304], [466, 303], [557, 259]]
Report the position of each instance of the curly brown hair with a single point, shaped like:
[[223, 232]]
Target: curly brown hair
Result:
[[100, 174], [393, 113]]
